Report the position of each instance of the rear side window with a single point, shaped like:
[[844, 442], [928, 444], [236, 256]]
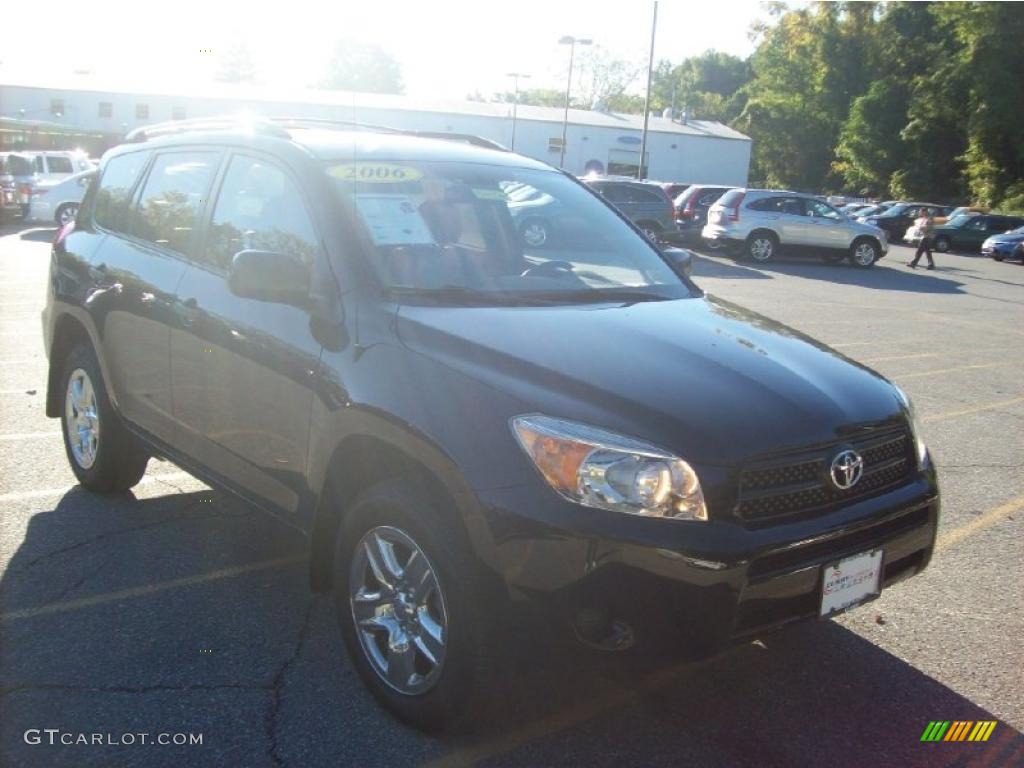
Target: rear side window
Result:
[[59, 164], [172, 197], [637, 194], [709, 197], [731, 199], [114, 194], [258, 208]]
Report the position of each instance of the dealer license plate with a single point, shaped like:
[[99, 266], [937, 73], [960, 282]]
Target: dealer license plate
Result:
[[850, 582]]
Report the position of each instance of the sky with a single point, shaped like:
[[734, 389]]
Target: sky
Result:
[[447, 48]]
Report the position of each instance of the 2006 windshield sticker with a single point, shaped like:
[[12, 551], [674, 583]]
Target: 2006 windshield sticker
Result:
[[375, 173]]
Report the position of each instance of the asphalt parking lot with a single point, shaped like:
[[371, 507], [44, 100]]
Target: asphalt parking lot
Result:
[[177, 609]]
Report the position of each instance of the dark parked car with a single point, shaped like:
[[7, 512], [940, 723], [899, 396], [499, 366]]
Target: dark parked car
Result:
[[897, 219], [691, 209], [17, 180], [1006, 246], [968, 232], [642, 202], [345, 329]]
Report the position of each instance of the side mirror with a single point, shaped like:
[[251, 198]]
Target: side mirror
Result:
[[681, 259], [269, 276]]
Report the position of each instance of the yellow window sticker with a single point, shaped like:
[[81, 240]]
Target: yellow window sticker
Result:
[[375, 173]]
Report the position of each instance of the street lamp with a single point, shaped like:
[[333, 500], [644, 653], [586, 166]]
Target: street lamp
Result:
[[515, 102], [572, 42]]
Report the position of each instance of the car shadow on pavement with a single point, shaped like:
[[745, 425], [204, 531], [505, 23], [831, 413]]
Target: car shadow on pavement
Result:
[[191, 613], [723, 267], [39, 235]]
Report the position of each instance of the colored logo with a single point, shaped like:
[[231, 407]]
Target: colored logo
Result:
[[958, 730], [847, 468]]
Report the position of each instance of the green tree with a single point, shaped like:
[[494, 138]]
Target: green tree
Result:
[[363, 67]]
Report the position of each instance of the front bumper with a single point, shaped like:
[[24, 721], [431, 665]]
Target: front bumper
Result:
[[1005, 250], [713, 583]]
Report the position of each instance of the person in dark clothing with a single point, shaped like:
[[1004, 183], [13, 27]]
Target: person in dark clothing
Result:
[[924, 229]]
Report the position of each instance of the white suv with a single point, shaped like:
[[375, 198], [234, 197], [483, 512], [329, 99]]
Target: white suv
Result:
[[760, 222]]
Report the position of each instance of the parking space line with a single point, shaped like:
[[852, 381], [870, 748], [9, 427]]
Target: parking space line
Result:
[[28, 436], [43, 493], [899, 357], [980, 523], [149, 589], [936, 371], [974, 409]]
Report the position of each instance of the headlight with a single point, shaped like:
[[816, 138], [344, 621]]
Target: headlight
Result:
[[601, 469], [920, 450]]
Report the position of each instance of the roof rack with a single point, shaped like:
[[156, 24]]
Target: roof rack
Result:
[[277, 127], [467, 138], [255, 124]]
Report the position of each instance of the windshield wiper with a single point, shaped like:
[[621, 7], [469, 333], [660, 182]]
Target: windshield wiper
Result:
[[453, 293]]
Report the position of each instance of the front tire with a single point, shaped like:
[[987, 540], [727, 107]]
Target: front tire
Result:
[[104, 456], [864, 253], [412, 609], [66, 214], [942, 244]]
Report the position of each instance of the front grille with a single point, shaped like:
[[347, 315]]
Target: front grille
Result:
[[800, 484]]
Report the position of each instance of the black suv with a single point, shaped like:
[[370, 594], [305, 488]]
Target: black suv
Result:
[[346, 329]]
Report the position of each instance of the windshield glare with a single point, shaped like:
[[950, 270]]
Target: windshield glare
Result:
[[464, 229]]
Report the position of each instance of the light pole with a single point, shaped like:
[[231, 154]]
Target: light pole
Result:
[[647, 99], [515, 102], [572, 42]]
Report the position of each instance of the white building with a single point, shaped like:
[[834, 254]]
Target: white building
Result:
[[696, 151]]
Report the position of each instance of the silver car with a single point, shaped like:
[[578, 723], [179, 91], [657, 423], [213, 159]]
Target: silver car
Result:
[[758, 223]]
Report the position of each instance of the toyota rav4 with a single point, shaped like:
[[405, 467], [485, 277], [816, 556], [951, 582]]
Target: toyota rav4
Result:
[[344, 327]]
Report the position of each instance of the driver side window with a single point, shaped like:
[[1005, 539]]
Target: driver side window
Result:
[[820, 210], [258, 208]]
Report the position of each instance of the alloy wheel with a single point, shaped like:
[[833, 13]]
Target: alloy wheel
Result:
[[67, 214], [81, 415], [864, 254], [399, 610], [761, 248]]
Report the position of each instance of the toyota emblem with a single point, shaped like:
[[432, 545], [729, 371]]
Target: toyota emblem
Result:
[[847, 469]]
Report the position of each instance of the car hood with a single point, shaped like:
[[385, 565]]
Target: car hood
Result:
[[1006, 238], [708, 379]]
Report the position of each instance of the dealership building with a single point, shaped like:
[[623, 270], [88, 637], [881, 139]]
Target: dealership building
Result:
[[83, 112]]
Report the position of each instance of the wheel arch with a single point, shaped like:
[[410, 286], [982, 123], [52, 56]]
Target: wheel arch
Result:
[[870, 238], [365, 458], [68, 331]]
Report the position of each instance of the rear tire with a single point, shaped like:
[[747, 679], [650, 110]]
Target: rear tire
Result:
[[104, 455], [443, 696], [761, 247], [66, 214], [942, 244], [652, 229]]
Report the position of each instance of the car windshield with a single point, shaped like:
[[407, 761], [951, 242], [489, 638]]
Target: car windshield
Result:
[[471, 232], [1017, 231], [896, 210]]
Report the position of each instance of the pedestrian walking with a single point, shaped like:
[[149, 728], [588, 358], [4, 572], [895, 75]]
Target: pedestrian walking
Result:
[[924, 245]]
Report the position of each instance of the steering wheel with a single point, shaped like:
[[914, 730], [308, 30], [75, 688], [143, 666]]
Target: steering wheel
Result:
[[556, 267]]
